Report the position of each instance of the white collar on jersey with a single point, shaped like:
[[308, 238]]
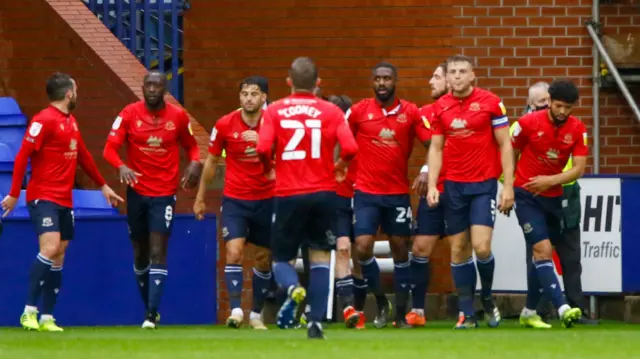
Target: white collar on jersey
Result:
[[392, 112], [264, 106]]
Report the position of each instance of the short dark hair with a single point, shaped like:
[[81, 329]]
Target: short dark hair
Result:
[[155, 73], [344, 102], [303, 74], [459, 58], [385, 65], [564, 90], [259, 81], [58, 85], [443, 66]]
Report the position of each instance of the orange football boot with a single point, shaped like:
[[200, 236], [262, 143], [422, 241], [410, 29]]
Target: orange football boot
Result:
[[351, 317], [416, 320]]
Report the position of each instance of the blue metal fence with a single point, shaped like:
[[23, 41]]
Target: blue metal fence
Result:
[[151, 30]]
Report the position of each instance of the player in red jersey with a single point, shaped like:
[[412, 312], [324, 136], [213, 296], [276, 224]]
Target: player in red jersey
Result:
[[153, 131], [385, 128], [471, 126], [546, 140], [429, 222], [304, 130], [55, 147], [247, 200]]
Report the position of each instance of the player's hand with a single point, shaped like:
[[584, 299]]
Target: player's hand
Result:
[[341, 174], [421, 184], [128, 176], [198, 208], [250, 136], [191, 175], [111, 196], [433, 197], [271, 175], [506, 201], [539, 184], [8, 203]]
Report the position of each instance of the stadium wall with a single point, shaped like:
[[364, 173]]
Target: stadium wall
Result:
[[516, 43], [39, 37]]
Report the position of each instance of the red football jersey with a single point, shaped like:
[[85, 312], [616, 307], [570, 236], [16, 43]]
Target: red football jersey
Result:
[[245, 175], [54, 144], [305, 131], [385, 141], [152, 145], [426, 113], [345, 188], [471, 152], [545, 149]]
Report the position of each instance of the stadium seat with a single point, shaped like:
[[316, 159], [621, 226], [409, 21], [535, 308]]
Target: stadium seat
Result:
[[91, 203], [6, 158], [13, 123]]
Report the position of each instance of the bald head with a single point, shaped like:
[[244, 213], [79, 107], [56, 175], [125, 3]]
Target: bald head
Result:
[[303, 74]]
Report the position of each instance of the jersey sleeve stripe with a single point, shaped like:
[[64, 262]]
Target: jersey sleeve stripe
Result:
[[500, 121]]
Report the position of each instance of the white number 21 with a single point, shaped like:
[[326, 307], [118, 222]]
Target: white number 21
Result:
[[290, 152]]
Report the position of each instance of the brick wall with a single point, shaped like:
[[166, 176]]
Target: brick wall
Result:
[[515, 42], [40, 37]]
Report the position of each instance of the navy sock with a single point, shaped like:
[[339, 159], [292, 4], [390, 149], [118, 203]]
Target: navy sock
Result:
[[260, 285], [51, 289], [318, 291], [233, 278], [419, 281], [402, 284], [142, 280], [533, 288], [371, 273], [286, 275], [486, 268], [359, 293], [549, 282], [344, 290], [37, 277], [464, 275], [157, 276]]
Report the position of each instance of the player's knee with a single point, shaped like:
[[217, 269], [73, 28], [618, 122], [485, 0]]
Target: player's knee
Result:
[[157, 255], [543, 250], [317, 256], [423, 245], [399, 248], [262, 260], [364, 247], [50, 244], [234, 255], [344, 247], [460, 251], [483, 250]]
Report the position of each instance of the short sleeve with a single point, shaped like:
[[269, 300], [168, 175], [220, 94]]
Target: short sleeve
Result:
[[518, 135], [217, 138], [353, 116], [498, 112], [423, 124], [436, 121], [581, 145], [120, 127]]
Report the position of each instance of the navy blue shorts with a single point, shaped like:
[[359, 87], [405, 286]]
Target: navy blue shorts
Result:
[[468, 204], [344, 220], [48, 217], [247, 219], [391, 212], [303, 219], [429, 221], [146, 214], [540, 217]]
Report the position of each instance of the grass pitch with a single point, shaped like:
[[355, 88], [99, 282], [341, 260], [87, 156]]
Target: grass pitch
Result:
[[437, 340]]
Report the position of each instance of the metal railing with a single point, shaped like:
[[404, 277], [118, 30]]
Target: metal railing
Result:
[[151, 30]]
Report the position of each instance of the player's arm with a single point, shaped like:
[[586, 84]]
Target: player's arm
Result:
[[421, 126], [34, 138], [216, 148], [435, 151], [579, 155], [500, 123], [423, 133], [87, 163], [117, 137], [518, 139], [266, 140], [188, 142]]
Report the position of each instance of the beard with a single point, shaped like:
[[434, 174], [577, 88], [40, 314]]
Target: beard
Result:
[[391, 93], [72, 104]]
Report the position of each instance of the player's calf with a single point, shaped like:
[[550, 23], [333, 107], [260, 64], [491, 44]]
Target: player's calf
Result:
[[371, 274], [157, 276], [401, 276], [261, 282], [423, 246], [234, 280]]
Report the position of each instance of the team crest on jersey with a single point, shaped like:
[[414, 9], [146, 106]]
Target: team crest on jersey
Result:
[[458, 124], [568, 138], [402, 118], [73, 145], [170, 126], [154, 141], [35, 128], [552, 154], [387, 134], [474, 106]]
